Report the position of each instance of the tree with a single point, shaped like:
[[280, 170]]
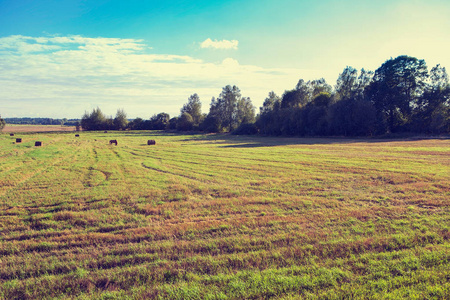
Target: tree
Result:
[[321, 99], [211, 124], [109, 123], [304, 93], [230, 109], [227, 106], [316, 120], [2, 123], [77, 126], [346, 82], [96, 120], [194, 108], [270, 103], [319, 86], [160, 121], [173, 123], [351, 86], [297, 97], [395, 89], [352, 117], [185, 122], [136, 124], [432, 112], [245, 111], [120, 121], [294, 99]]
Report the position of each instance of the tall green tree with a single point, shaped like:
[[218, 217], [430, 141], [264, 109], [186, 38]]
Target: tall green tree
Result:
[[297, 97], [245, 111], [350, 85], [273, 101], [395, 89], [120, 121], [304, 93], [194, 108], [95, 120], [227, 103], [160, 121], [230, 109], [432, 112], [185, 122], [346, 82], [319, 86]]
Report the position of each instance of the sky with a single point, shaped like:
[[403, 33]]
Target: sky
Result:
[[59, 59]]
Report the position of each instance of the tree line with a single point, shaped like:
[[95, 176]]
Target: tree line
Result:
[[41, 121], [2, 123], [400, 96], [227, 112]]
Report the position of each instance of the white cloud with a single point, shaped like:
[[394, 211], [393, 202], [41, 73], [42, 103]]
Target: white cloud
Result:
[[230, 62], [64, 76], [223, 44]]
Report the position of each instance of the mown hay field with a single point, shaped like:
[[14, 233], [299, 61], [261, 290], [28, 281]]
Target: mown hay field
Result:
[[223, 217]]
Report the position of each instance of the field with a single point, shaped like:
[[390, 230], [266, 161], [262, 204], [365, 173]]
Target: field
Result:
[[223, 217], [13, 128]]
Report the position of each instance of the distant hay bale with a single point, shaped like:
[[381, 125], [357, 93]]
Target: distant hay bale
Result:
[[113, 142], [19, 140], [105, 131], [38, 144], [151, 142], [77, 135], [11, 134]]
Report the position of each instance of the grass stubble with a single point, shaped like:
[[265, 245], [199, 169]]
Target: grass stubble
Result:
[[223, 217]]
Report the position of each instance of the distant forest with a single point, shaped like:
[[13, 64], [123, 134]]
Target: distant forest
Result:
[[41, 121], [401, 96]]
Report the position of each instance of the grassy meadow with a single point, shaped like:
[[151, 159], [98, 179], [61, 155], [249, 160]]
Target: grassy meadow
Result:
[[223, 217]]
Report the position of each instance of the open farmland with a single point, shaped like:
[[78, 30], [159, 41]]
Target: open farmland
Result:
[[223, 217], [13, 128]]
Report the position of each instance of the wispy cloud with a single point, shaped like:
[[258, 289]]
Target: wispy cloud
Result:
[[64, 76], [223, 44]]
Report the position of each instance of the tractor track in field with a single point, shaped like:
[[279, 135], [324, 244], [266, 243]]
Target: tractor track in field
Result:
[[167, 172], [208, 165]]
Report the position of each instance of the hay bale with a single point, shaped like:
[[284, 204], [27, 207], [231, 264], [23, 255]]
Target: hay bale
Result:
[[19, 140], [113, 142], [151, 142], [105, 131], [38, 144], [11, 134], [77, 135]]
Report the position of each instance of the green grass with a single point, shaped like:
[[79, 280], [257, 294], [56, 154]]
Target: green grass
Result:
[[223, 217]]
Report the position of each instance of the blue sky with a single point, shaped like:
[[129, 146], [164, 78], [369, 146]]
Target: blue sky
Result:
[[60, 58]]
